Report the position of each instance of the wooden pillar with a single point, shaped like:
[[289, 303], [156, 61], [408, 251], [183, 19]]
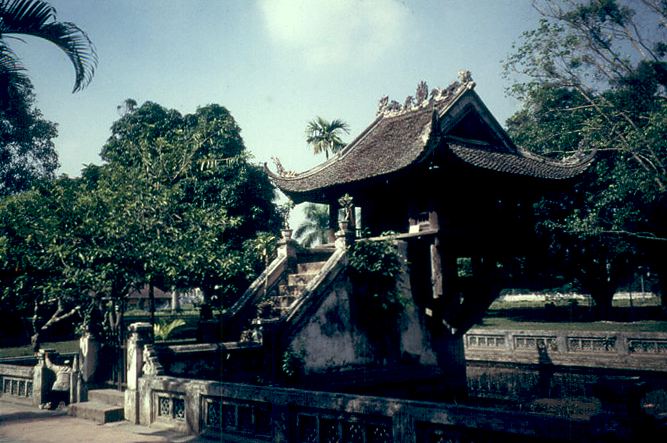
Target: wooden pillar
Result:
[[333, 222], [436, 269]]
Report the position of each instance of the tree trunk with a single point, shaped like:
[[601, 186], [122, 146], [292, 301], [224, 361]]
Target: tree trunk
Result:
[[151, 300], [602, 296]]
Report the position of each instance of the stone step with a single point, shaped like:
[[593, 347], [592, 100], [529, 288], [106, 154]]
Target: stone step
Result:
[[300, 279], [285, 301], [96, 411], [310, 267], [111, 397]]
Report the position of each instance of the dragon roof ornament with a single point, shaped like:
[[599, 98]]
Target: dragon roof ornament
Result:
[[422, 99]]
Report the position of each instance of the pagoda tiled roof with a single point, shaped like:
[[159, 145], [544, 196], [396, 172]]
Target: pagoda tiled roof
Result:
[[520, 162], [401, 135]]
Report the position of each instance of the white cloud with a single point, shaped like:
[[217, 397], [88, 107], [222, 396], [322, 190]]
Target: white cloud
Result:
[[333, 32]]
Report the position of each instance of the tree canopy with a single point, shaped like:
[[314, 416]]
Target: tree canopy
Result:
[[592, 77], [27, 151], [177, 204], [324, 136]]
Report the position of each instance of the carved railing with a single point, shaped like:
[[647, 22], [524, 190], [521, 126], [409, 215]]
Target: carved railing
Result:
[[245, 306], [242, 412], [16, 382], [29, 380], [611, 350]]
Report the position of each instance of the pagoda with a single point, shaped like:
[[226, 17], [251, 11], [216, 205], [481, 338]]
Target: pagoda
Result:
[[441, 174]]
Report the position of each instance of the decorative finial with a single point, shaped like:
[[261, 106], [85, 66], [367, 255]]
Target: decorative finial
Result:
[[422, 92], [465, 77], [393, 106], [382, 105], [282, 172], [408, 103]]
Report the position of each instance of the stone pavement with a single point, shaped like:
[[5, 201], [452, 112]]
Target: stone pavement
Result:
[[27, 424]]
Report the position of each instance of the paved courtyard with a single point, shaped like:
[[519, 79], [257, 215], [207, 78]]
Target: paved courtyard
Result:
[[19, 423]]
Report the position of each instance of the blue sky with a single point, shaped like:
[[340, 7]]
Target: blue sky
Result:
[[274, 64]]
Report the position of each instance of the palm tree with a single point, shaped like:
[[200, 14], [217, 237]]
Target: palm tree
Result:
[[314, 230], [38, 19], [324, 136]]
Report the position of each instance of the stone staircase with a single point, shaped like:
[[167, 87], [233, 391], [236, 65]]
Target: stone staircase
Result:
[[103, 406], [291, 291]]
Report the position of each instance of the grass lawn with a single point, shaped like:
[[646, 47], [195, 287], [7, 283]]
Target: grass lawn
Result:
[[22, 351]]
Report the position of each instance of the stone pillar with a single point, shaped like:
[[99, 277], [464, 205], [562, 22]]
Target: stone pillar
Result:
[[453, 384], [77, 388], [287, 248], [140, 336], [42, 379], [89, 349], [344, 237], [403, 427]]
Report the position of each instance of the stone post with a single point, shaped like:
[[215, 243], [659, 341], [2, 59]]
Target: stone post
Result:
[[42, 379], [140, 336], [286, 248], [89, 349], [344, 237], [77, 389]]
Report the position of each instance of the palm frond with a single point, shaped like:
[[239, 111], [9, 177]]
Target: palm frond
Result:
[[314, 229], [324, 136], [38, 19], [13, 81], [312, 239]]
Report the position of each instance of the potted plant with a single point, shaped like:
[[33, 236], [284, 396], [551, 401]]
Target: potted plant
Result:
[[284, 212], [347, 212]]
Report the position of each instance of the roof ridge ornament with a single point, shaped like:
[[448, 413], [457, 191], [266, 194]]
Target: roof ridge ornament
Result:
[[282, 172], [465, 77], [422, 99]]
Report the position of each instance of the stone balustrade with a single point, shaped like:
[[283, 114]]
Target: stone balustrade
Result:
[[243, 412], [646, 351], [29, 379], [16, 382]]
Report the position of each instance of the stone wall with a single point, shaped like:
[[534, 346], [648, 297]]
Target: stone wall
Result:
[[242, 412], [16, 382], [339, 335], [29, 379], [646, 351]]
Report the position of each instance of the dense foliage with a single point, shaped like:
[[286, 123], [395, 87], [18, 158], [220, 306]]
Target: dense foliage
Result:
[[27, 152], [592, 78], [375, 267], [313, 230], [177, 205]]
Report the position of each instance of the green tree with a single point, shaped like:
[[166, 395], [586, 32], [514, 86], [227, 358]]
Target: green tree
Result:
[[27, 151], [37, 18], [313, 230], [592, 77], [324, 136], [192, 197], [47, 234]]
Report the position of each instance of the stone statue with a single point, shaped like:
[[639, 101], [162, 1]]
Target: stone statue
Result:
[[393, 106], [422, 92], [280, 169], [151, 365], [465, 76], [409, 101], [382, 105]]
